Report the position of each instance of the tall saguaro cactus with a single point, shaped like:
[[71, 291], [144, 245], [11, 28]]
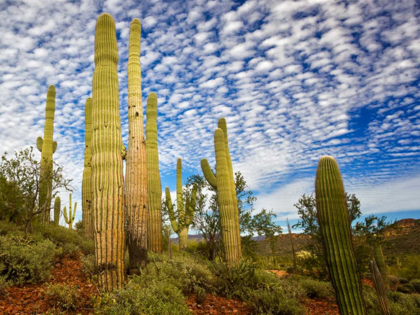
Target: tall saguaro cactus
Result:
[[69, 218], [185, 212], [107, 159], [47, 147], [334, 223], [57, 208], [87, 174], [224, 183], [154, 188], [136, 166]]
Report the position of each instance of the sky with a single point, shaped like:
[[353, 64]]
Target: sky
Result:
[[295, 80]]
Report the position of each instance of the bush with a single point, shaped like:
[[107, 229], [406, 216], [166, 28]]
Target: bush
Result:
[[4, 284], [402, 304], [416, 285], [24, 260], [89, 266], [60, 236], [64, 296], [316, 289], [273, 302]]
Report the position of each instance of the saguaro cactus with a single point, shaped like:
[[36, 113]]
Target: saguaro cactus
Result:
[[136, 166], [380, 288], [87, 174], [69, 218], [154, 188], [47, 147], [224, 183], [185, 212], [57, 208], [107, 159], [334, 222], [293, 247], [380, 261]]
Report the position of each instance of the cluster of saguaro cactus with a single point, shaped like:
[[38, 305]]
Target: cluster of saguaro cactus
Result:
[[57, 209], [224, 183], [185, 212], [380, 288], [87, 174], [136, 166], [154, 188], [69, 218], [47, 147], [334, 223], [107, 159]]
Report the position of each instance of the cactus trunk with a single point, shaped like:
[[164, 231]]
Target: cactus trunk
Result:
[[154, 188], [334, 222], [183, 238], [380, 288], [57, 208], [87, 174], [107, 160], [136, 166], [380, 261], [47, 147], [293, 247], [69, 218]]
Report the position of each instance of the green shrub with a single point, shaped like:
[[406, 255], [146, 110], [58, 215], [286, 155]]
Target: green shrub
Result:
[[64, 296], [89, 266], [406, 288], [4, 284], [24, 260], [316, 289], [416, 285], [60, 236], [273, 302], [403, 304]]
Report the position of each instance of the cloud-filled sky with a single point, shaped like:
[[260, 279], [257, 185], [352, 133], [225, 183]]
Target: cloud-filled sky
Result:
[[295, 80]]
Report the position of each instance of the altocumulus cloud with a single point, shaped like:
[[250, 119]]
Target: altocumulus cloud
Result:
[[294, 79]]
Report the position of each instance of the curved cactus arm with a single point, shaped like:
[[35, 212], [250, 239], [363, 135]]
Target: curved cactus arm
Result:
[[208, 173], [54, 146], [171, 212], [65, 215], [39, 143], [191, 206]]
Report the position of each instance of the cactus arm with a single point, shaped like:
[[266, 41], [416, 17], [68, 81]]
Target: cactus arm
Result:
[[57, 208], [39, 143], [380, 262], [208, 173], [123, 152], [54, 146], [170, 206], [74, 212], [179, 195], [65, 215], [334, 223]]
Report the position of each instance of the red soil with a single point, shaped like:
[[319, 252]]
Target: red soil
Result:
[[217, 305]]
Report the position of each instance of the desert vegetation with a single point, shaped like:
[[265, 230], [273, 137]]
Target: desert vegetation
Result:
[[119, 259]]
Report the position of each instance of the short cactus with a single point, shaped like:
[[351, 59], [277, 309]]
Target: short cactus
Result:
[[154, 188], [57, 209], [224, 183], [185, 212], [87, 216], [47, 147], [107, 160], [334, 223], [69, 218]]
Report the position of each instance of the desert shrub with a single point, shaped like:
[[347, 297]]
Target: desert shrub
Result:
[[410, 268], [273, 302], [406, 288], [149, 293], [60, 236], [89, 266], [71, 250], [64, 296], [8, 227], [402, 304], [316, 289], [416, 285], [4, 284], [25, 260]]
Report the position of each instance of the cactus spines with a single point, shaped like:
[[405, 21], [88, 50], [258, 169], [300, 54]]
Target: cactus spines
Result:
[[136, 166], [224, 183], [185, 212], [57, 209], [154, 188], [107, 160], [47, 147], [334, 223], [69, 218], [380, 288], [380, 261], [87, 174]]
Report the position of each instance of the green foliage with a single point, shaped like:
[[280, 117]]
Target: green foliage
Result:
[[64, 296], [316, 289], [71, 250], [416, 285], [25, 260], [89, 267], [4, 284], [273, 302], [403, 304]]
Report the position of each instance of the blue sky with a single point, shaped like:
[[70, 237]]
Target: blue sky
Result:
[[295, 80]]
